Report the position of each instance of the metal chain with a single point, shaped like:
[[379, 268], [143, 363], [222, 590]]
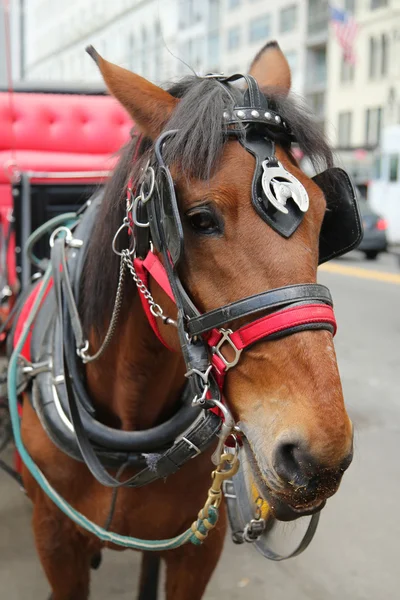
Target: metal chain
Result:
[[82, 352], [155, 308]]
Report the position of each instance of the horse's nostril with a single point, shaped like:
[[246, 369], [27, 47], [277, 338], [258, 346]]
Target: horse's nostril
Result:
[[293, 464]]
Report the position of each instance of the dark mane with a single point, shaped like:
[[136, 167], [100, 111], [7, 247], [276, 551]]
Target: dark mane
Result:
[[196, 148]]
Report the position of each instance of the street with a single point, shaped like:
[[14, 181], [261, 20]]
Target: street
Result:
[[354, 555]]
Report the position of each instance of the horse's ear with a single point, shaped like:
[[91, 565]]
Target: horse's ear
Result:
[[271, 69], [149, 105]]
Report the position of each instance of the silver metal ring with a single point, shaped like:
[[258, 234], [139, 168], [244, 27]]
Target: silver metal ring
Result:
[[228, 418], [237, 446], [146, 197], [134, 213], [156, 310], [81, 352], [66, 230], [115, 238]]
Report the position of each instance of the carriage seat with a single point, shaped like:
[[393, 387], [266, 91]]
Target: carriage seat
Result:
[[54, 132]]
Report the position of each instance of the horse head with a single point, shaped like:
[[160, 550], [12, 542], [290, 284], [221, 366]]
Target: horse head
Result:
[[285, 394]]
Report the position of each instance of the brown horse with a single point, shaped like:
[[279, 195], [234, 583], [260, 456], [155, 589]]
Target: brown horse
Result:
[[286, 395]]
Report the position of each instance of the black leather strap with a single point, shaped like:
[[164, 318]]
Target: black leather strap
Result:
[[148, 440], [193, 441], [237, 525], [90, 457], [200, 436], [270, 300]]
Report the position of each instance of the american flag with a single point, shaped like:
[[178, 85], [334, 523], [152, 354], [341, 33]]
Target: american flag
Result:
[[345, 28]]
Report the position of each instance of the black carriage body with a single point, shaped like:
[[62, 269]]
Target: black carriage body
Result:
[[36, 203]]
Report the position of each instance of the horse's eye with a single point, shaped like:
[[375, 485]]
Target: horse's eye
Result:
[[204, 221]]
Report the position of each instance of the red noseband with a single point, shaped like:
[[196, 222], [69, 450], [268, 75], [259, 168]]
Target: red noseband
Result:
[[293, 319]]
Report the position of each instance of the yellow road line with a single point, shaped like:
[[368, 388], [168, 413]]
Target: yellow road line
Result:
[[361, 273]]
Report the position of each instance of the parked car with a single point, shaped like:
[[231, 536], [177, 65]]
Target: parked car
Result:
[[375, 239]]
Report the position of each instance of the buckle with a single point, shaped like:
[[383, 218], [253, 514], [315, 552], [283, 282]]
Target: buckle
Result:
[[226, 337], [253, 530], [204, 383], [228, 489], [191, 446]]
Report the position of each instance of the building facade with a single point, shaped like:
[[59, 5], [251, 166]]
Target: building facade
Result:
[[166, 39], [151, 37], [248, 24], [11, 41], [365, 97], [156, 38], [140, 35]]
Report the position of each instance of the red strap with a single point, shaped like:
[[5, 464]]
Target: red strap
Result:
[[288, 318], [23, 317], [152, 265], [156, 269]]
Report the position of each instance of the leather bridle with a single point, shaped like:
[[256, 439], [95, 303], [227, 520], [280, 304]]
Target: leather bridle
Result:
[[290, 309]]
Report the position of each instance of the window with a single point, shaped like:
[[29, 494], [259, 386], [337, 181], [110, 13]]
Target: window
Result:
[[233, 3], [346, 71], [213, 52], [288, 18], [373, 125], [377, 167], [260, 28], [318, 16], [158, 52], [378, 56], [189, 13], [384, 54], [317, 103], [393, 167], [233, 38], [213, 15], [373, 57], [378, 4], [350, 6], [197, 57], [344, 129], [316, 66]]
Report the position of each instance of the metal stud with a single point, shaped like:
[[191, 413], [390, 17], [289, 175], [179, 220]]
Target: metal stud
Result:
[[226, 115], [267, 115], [255, 114], [278, 119], [241, 114]]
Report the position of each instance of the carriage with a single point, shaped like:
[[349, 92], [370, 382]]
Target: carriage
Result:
[[178, 324], [58, 145]]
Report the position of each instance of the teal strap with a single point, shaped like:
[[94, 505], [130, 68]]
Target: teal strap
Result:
[[65, 507], [68, 219], [201, 526]]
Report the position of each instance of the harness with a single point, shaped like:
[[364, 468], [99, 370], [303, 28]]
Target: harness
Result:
[[59, 347]]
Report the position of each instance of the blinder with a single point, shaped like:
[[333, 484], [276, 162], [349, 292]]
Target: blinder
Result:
[[341, 229], [170, 231], [277, 196], [265, 188]]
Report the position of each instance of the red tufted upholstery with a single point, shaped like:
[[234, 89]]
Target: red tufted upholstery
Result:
[[58, 132]]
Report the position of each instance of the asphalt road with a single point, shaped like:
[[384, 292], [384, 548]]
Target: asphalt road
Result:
[[355, 554]]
